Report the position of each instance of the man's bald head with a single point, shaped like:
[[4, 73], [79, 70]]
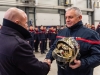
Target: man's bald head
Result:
[[16, 15]]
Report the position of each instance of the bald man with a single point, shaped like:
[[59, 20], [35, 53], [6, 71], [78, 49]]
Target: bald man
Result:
[[16, 56]]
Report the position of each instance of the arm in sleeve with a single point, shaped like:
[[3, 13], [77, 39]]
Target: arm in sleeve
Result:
[[93, 59], [24, 59], [49, 54]]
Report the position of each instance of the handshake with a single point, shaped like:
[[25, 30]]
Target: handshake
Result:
[[48, 61], [46, 66]]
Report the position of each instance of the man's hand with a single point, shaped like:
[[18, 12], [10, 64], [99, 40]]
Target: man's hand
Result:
[[40, 41], [76, 65], [28, 41], [48, 61], [49, 40], [34, 40]]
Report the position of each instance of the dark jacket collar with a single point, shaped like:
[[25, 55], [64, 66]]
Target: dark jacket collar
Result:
[[76, 26], [14, 28]]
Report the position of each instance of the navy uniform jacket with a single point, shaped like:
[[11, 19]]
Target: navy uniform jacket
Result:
[[46, 34], [32, 35], [53, 35], [36, 35], [49, 33], [16, 56], [42, 35], [90, 52]]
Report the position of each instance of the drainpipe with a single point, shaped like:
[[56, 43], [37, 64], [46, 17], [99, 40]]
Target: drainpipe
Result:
[[34, 16], [92, 18], [27, 12], [58, 2], [64, 12], [64, 17], [92, 13], [87, 2], [89, 5]]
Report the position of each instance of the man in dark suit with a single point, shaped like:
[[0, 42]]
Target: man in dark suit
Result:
[[16, 56]]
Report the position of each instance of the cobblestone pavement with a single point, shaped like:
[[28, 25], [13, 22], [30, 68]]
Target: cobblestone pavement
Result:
[[53, 70]]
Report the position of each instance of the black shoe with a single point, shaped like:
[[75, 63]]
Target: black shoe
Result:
[[41, 52], [44, 52], [36, 51], [46, 49]]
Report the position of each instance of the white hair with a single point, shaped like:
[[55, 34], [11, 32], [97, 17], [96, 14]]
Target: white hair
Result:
[[77, 10]]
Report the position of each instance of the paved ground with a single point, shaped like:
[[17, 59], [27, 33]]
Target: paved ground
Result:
[[53, 70]]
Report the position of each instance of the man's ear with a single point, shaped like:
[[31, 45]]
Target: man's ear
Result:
[[17, 22], [80, 17]]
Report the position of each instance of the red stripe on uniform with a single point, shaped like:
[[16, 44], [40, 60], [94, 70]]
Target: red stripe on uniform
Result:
[[88, 41], [60, 37], [82, 39]]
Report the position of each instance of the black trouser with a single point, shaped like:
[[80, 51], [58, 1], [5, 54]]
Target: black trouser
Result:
[[31, 43], [51, 42], [36, 45], [42, 46], [46, 44]]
